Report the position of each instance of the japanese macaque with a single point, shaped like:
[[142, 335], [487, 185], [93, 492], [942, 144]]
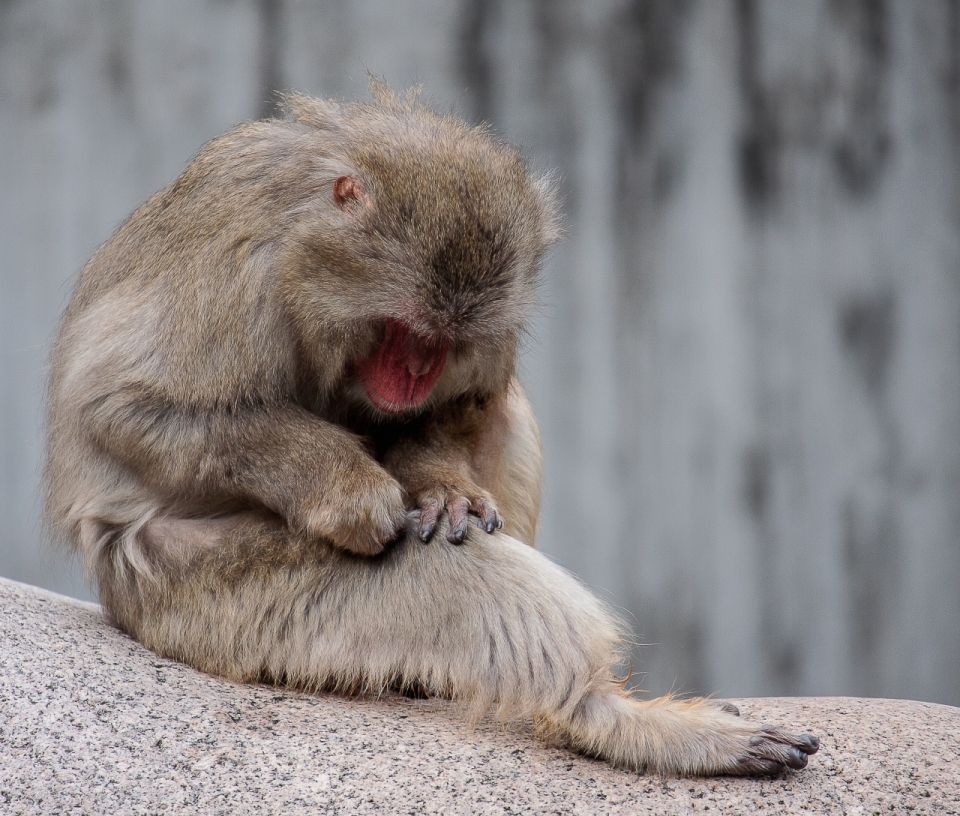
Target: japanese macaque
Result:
[[287, 439]]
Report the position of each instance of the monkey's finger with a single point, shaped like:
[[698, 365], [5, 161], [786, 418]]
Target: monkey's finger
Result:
[[786, 755], [430, 510], [489, 517], [807, 743], [776, 745], [758, 766], [457, 510]]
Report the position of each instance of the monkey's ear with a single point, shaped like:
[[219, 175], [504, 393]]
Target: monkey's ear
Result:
[[349, 193]]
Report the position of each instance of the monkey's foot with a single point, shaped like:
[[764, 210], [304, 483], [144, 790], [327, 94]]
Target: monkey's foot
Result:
[[695, 737], [772, 750], [433, 503]]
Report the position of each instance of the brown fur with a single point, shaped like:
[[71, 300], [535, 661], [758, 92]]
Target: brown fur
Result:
[[241, 503]]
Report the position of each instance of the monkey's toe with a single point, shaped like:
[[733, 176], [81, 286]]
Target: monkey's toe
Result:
[[796, 759], [457, 510], [430, 510], [489, 517], [458, 506], [758, 766], [808, 743], [773, 750]]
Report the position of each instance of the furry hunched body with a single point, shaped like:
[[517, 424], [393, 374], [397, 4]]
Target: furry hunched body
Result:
[[287, 440]]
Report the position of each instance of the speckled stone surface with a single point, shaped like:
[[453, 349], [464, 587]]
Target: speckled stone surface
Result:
[[92, 723]]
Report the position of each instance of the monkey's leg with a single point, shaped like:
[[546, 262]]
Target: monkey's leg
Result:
[[493, 623]]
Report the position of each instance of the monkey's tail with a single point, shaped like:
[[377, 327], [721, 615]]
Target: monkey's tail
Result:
[[492, 623]]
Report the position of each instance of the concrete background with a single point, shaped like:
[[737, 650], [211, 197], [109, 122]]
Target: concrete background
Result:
[[747, 365]]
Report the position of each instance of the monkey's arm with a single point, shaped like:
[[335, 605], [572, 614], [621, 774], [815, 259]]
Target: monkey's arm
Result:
[[450, 463], [315, 474]]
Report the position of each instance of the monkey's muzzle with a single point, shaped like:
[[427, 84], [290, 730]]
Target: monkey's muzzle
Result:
[[403, 370]]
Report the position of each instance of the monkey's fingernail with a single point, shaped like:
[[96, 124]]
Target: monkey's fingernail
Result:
[[456, 536], [809, 743], [426, 532], [796, 759], [499, 524], [730, 708], [491, 526]]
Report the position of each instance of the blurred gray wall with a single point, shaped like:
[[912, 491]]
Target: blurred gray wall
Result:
[[747, 365]]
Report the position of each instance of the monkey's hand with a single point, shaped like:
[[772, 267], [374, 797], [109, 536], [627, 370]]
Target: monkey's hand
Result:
[[362, 514], [441, 468], [458, 502]]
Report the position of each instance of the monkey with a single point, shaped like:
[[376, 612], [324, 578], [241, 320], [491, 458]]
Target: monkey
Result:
[[286, 437]]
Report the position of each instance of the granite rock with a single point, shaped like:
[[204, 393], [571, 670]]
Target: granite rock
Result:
[[93, 723]]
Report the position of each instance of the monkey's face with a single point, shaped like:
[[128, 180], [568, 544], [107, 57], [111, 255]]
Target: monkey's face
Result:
[[425, 267], [448, 295]]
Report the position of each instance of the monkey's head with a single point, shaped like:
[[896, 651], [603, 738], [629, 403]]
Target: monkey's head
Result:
[[414, 259]]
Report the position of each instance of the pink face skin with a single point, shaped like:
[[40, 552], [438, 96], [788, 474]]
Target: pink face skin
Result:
[[403, 370]]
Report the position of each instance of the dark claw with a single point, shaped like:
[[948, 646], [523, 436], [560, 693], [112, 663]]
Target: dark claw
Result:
[[499, 524], [457, 510], [808, 743], [730, 708], [774, 745], [487, 513], [492, 521], [429, 513], [796, 759]]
